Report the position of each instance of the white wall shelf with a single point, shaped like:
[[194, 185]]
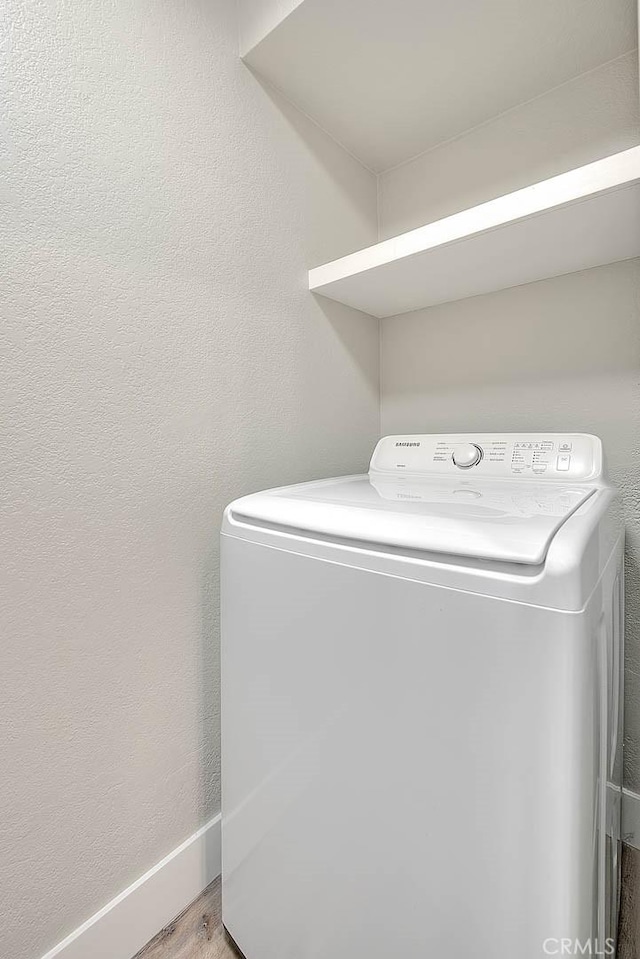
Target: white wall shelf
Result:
[[581, 219], [390, 79]]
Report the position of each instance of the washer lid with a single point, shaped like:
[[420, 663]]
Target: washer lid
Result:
[[501, 521]]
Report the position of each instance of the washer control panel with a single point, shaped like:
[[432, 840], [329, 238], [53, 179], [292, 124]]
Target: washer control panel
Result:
[[559, 456]]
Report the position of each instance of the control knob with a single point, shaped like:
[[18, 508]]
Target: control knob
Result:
[[467, 455]]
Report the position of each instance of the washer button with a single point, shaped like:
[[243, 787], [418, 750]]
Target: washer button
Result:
[[564, 461], [466, 455]]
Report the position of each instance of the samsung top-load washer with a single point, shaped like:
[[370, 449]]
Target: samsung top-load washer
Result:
[[421, 705]]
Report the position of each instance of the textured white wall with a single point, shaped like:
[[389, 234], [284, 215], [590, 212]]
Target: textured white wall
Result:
[[160, 357], [562, 354], [588, 118]]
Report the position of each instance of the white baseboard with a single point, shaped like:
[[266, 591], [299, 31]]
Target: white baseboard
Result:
[[631, 818], [134, 917]]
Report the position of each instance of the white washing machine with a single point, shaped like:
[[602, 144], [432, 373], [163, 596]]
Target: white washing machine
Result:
[[421, 705]]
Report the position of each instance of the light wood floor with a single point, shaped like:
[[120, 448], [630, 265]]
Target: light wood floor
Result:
[[198, 933], [629, 933]]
